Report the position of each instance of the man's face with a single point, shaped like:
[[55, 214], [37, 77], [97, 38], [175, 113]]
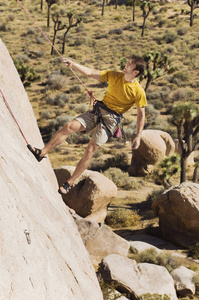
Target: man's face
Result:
[[130, 68]]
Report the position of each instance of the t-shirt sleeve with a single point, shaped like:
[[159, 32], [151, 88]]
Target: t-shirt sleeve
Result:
[[141, 99], [104, 75]]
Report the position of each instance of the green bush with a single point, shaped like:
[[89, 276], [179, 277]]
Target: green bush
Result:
[[26, 73], [122, 217], [194, 251], [78, 138], [170, 37], [82, 108], [120, 178], [154, 297], [153, 195], [152, 256], [55, 82], [182, 31], [119, 160], [196, 282], [75, 89]]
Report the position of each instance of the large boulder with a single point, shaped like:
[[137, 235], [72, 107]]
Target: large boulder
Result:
[[183, 279], [154, 146], [42, 253], [91, 194], [137, 279], [100, 240], [178, 212]]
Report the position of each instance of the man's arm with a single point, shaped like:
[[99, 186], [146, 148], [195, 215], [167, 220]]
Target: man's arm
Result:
[[140, 126], [83, 70]]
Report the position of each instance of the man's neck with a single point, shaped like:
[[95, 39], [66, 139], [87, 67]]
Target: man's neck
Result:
[[129, 78]]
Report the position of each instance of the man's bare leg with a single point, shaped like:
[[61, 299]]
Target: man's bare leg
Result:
[[82, 164], [61, 135]]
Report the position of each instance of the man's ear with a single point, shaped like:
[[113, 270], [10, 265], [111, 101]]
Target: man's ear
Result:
[[136, 72]]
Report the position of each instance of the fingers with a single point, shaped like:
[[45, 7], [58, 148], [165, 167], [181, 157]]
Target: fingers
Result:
[[66, 61], [135, 143]]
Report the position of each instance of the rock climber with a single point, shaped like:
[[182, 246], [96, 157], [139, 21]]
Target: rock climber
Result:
[[102, 121]]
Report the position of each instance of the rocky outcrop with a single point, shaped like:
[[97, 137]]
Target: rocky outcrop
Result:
[[100, 240], [178, 212], [91, 194], [154, 146], [137, 279], [42, 253], [183, 279]]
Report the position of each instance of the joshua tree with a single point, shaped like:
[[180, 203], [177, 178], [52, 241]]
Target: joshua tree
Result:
[[166, 169], [193, 4], [185, 116], [71, 24], [57, 26], [156, 64], [134, 1], [146, 7], [50, 3], [103, 4]]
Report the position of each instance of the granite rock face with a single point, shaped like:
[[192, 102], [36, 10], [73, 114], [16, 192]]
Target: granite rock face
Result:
[[42, 253]]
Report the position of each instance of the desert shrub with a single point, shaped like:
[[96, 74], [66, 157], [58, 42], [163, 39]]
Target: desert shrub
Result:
[[153, 257], [119, 160], [23, 57], [195, 45], [3, 27], [78, 138], [122, 217], [181, 75], [81, 108], [11, 18], [40, 40], [55, 82], [194, 251], [182, 94], [50, 100], [46, 115], [118, 18], [58, 112], [40, 53], [61, 98], [149, 296], [170, 37], [120, 178], [162, 23], [116, 31], [183, 30], [26, 73], [196, 282], [158, 104], [31, 31], [151, 113], [153, 195], [171, 49], [75, 89], [109, 290]]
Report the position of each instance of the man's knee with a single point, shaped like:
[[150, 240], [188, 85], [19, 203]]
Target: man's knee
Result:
[[91, 149], [73, 126]]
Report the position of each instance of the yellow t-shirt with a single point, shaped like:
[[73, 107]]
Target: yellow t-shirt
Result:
[[121, 94]]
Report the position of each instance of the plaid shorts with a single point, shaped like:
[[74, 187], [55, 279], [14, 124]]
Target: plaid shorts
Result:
[[99, 132]]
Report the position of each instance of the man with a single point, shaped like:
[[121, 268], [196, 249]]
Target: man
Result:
[[123, 92]]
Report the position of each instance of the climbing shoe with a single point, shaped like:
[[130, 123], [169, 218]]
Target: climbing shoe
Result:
[[66, 187], [36, 152]]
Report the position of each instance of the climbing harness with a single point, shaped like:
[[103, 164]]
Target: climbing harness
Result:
[[118, 117], [92, 98], [7, 105]]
